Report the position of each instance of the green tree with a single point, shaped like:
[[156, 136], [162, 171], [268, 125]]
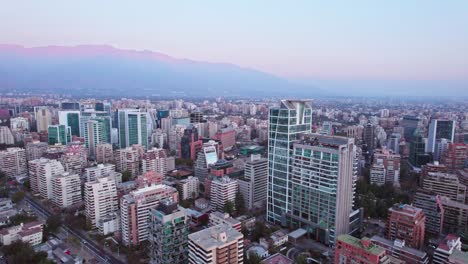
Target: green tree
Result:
[[300, 259], [22, 218], [260, 230], [240, 203], [21, 252], [229, 207], [53, 223], [17, 197], [126, 176], [253, 258]]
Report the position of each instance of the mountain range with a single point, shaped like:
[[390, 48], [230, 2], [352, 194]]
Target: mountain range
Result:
[[100, 70]]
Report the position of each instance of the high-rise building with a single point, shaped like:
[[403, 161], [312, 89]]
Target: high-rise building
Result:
[[154, 160], [433, 167], [254, 184], [223, 190], [368, 136], [221, 244], [391, 163], [66, 190], [445, 184], [190, 143], [418, 155], [101, 201], [128, 159], [408, 223], [134, 211], [132, 127], [71, 119], [210, 153], [441, 146], [13, 162], [410, 125], [350, 250], [104, 153], [102, 170], [58, 134], [400, 250], [455, 156], [35, 149], [196, 117], [96, 131], [43, 118], [41, 173], [286, 122], [394, 142], [439, 129], [168, 234], [6, 137], [227, 137], [19, 124], [455, 216], [323, 175], [188, 188], [432, 207], [377, 173]]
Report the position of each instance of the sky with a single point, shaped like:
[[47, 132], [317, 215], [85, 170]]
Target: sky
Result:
[[302, 40]]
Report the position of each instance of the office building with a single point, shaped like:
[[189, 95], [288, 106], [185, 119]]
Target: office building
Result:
[[286, 122], [227, 137], [432, 207], [323, 176], [43, 118], [168, 234], [71, 119], [399, 250], [410, 125], [350, 250], [58, 134], [254, 184], [394, 142], [190, 143], [41, 173], [132, 126], [455, 156], [134, 211], [445, 184], [13, 162], [219, 244], [223, 190], [210, 153], [418, 155], [188, 188], [102, 170], [100, 198], [368, 136], [408, 223], [104, 153], [441, 146], [19, 124], [66, 190], [439, 129], [155, 159], [95, 131]]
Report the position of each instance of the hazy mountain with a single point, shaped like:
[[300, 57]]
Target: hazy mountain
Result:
[[104, 70]]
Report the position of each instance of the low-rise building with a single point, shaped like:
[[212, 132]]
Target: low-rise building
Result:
[[29, 233], [217, 218]]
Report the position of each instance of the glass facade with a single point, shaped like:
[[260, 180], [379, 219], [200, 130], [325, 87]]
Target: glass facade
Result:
[[58, 134], [292, 118], [132, 126], [74, 123]]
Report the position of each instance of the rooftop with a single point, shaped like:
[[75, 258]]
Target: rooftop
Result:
[[406, 249], [277, 258], [356, 242], [215, 236], [313, 139]]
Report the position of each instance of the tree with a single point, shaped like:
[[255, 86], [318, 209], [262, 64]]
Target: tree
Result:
[[22, 252], [229, 207], [53, 223], [260, 230], [240, 203], [126, 176], [22, 218], [301, 259], [17, 197], [253, 258]]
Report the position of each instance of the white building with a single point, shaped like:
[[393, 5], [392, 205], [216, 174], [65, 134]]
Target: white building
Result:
[[255, 182], [155, 160], [223, 189], [104, 153], [102, 170], [35, 149], [19, 124], [6, 137], [13, 162], [446, 248], [188, 187], [100, 200], [217, 218], [41, 172], [217, 244], [29, 233], [377, 173], [43, 118], [66, 189]]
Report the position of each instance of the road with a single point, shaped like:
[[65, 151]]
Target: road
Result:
[[99, 253]]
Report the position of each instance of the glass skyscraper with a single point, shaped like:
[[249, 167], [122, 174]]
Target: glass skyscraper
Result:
[[132, 127], [58, 134], [286, 122]]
